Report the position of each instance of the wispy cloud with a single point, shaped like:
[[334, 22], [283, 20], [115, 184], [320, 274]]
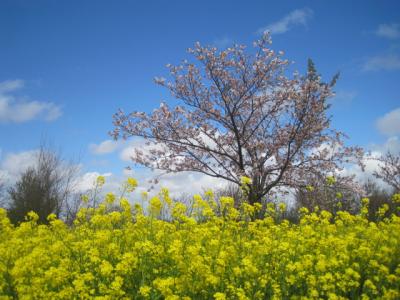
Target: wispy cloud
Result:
[[13, 164], [346, 96], [296, 17], [11, 85], [389, 31], [389, 124], [392, 144], [371, 163], [87, 181], [17, 109], [387, 62], [105, 147], [222, 42]]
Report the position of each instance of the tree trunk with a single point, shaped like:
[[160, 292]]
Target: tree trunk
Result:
[[255, 194]]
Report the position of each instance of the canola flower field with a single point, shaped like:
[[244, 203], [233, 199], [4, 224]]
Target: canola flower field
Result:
[[213, 251]]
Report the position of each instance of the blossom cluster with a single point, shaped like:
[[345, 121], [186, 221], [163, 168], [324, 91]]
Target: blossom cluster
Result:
[[215, 250]]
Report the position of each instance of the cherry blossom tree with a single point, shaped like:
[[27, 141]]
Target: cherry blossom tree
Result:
[[389, 170], [240, 115], [330, 193]]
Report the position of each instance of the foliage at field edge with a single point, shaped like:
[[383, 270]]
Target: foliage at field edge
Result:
[[215, 251]]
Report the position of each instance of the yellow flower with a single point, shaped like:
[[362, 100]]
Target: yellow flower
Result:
[[310, 188], [330, 180], [365, 201], [106, 268], [396, 198], [131, 184], [85, 198], [219, 296], [257, 206], [245, 180], [226, 202], [32, 216], [110, 198], [155, 206], [179, 210], [382, 210], [368, 284], [196, 251], [51, 217], [304, 210], [165, 196], [100, 180], [124, 203], [145, 291]]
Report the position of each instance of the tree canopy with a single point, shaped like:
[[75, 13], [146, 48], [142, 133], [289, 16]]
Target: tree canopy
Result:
[[240, 114]]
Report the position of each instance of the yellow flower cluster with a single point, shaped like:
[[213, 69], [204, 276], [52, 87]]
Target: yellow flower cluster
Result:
[[213, 250]]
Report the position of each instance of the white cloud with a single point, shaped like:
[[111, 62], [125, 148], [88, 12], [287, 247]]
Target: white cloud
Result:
[[296, 17], [105, 147], [87, 181], [382, 62], [346, 96], [392, 145], [189, 183], [128, 172], [136, 143], [51, 111], [11, 85], [389, 124], [13, 164], [128, 151], [20, 109], [222, 42], [371, 163], [389, 31], [177, 183]]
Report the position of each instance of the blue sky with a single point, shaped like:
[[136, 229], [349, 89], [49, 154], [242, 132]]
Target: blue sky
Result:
[[67, 66]]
